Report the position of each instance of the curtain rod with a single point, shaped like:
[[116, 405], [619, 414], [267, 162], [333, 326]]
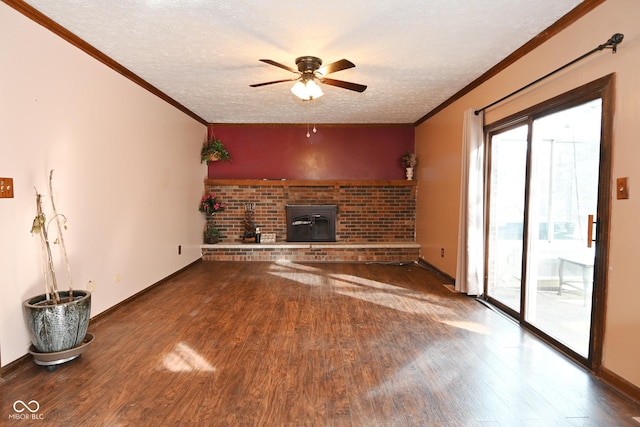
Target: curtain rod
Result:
[[612, 43]]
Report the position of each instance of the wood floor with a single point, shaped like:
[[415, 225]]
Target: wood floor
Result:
[[263, 344]]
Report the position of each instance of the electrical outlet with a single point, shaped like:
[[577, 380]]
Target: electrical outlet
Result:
[[442, 252], [117, 277], [6, 188], [91, 286]]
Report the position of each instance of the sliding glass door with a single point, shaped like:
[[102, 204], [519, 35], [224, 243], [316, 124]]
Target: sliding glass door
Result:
[[508, 160], [543, 195], [563, 200]]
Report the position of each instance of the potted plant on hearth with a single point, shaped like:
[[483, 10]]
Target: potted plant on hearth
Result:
[[214, 150], [409, 161], [57, 320], [211, 234], [209, 205]]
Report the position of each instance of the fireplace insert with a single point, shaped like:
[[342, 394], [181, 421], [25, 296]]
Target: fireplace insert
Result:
[[311, 223]]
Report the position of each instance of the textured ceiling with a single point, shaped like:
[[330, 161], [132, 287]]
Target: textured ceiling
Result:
[[412, 54]]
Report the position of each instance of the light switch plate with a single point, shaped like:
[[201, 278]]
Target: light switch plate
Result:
[[6, 188], [622, 188]]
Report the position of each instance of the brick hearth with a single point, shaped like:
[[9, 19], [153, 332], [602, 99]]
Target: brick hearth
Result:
[[312, 252], [375, 220]]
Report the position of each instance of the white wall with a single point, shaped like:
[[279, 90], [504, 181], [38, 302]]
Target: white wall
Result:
[[438, 145], [127, 174]]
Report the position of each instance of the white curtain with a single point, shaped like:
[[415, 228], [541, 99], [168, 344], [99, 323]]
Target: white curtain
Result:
[[470, 268]]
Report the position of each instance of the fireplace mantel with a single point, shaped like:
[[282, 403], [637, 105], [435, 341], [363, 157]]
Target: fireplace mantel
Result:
[[312, 183]]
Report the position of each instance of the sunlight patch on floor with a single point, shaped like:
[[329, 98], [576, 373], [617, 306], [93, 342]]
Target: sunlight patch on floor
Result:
[[394, 302], [304, 274], [292, 265], [371, 291], [185, 359], [469, 326], [406, 304], [366, 282], [304, 278]]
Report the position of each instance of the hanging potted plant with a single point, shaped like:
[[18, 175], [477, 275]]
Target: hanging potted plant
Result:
[[57, 320], [409, 161], [214, 150]]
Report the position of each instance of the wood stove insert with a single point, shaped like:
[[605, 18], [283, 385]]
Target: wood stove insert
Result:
[[311, 223]]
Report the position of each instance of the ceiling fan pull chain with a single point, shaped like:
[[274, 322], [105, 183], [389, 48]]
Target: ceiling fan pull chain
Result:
[[314, 115], [307, 114]]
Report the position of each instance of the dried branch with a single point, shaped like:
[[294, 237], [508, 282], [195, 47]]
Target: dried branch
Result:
[[60, 238]]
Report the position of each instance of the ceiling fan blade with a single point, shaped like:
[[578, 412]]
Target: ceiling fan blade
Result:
[[343, 64], [345, 85], [277, 64], [270, 83]]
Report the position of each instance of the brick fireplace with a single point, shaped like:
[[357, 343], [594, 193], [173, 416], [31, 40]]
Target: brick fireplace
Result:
[[375, 220]]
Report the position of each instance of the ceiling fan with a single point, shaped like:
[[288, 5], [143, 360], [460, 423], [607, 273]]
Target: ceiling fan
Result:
[[310, 72]]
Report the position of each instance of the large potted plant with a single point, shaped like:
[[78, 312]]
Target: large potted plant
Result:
[[214, 150], [57, 320]]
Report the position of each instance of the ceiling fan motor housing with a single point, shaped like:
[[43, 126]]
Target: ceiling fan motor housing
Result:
[[308, 64]]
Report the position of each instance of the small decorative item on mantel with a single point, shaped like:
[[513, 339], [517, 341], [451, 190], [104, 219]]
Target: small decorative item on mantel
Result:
[[249, 235], [268, 237], [214, 150], [409, 161]]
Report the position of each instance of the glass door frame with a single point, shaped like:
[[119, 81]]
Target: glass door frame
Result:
[[602, 88]]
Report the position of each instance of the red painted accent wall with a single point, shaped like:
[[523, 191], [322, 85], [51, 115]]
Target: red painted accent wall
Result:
[[334, 152]]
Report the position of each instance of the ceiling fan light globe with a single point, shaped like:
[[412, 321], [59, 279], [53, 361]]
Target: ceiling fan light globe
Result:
[[299, 90], [307, 90], [313, 89]]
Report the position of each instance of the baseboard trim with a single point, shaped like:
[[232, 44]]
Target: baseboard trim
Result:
[[12, 367], [449, 280], [619, 384], [98, 317]]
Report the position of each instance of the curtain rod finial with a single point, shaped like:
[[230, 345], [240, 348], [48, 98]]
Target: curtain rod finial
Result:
[[616, 38], [613, 42]]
